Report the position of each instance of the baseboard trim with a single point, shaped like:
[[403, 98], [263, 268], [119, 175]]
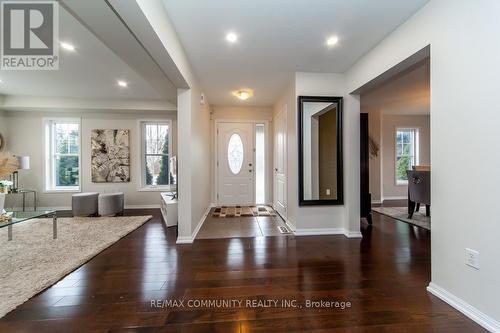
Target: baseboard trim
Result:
[[155, 206], [318, 232], [394, 198], [473, 313], [353, 234], [190, 239], [69, 208], [376, 202]]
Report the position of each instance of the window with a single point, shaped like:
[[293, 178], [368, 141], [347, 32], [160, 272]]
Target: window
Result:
[[235, 153], [156, 154], [62, 155], [406, 152], [260, 164]]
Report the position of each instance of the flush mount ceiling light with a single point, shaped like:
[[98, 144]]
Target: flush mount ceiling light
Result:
[[231, 37], [331, 41], [67, 46], [243, 94], [122, 84]]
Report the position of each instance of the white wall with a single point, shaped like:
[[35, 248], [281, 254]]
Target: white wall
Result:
[[194, 169], [25, 135], [244, 114], [323, 219], [463, 37], [389, 125], [3, 127]]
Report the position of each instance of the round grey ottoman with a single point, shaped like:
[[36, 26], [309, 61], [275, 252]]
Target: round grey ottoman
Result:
[[111, 204], [84, 204]]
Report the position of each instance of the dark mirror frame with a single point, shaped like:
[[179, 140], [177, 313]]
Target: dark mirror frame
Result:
[[340, 154]]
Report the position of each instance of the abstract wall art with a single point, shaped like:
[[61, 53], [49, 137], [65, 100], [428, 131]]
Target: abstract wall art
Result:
[[110, 155]]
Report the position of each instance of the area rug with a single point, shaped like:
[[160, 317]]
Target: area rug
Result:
[[238, 211], [401, 214], [33, 261]]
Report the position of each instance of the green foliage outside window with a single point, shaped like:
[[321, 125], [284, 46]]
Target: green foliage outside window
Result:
[[163, 178], [403, 163], [67, 163]]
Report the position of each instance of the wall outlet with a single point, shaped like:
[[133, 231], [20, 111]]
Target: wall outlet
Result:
[[472, 258], [327, 191]]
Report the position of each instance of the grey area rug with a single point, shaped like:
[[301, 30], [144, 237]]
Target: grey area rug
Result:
[[401, 213], [33, 261]]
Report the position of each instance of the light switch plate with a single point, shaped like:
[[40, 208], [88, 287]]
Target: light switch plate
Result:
[[472, 258]]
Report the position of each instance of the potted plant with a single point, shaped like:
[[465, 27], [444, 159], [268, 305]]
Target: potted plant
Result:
[[8, 164]]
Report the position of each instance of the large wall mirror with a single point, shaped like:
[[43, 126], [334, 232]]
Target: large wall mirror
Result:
[[320, 151]]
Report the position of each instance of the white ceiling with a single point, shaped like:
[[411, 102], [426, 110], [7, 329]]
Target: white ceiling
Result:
[[89, 73], [277, 38]]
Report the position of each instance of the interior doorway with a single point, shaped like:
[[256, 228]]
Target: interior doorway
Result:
[[395, 144]]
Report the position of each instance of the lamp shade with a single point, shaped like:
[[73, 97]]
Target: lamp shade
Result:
[[24, 162]]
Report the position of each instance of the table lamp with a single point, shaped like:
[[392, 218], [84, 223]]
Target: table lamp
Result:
[[24, 164]]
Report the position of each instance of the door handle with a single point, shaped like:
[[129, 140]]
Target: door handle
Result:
[[276, 169]]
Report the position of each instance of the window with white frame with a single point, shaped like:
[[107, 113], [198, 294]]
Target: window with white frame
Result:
[[156, 154], [62, 154], [406, 152]]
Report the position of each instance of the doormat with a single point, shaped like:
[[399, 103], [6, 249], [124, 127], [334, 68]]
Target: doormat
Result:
[[245, 211]]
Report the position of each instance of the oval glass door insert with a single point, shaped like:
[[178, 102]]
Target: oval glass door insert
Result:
[[235, 153]]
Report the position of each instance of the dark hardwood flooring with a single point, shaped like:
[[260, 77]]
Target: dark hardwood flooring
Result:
[[383, 275]]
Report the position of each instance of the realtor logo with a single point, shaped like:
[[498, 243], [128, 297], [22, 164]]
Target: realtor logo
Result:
[[29, 32]]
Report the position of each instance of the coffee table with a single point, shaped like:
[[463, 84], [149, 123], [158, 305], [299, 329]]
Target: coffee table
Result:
[[19, 217]]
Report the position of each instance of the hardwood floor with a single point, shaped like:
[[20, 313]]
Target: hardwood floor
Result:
[[383, 275]]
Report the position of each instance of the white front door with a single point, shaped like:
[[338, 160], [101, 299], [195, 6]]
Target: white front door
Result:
[[235, 164], [280, 156]]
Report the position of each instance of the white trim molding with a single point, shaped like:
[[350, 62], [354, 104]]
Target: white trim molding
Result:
[[317, 232], [394, 198], [155, 206], [190, 239], [473, 313], [353, 234], [68, 208]]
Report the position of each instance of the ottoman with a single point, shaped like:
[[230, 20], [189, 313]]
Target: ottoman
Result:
[[84, 204], [111, 204]]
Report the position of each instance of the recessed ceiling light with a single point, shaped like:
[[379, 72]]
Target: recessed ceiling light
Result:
[[243, 94], [231, 37], [67, 46], [122, 84], [331, 41]]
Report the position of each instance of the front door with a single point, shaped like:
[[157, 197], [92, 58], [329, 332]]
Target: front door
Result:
[[235, 164], [280, 156]]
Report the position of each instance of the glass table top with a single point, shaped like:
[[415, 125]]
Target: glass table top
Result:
[[17, 217]]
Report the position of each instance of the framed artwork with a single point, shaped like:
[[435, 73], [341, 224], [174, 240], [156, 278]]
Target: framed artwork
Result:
[[110, 155]]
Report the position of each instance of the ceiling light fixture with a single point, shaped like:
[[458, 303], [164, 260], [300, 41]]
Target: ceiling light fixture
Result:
[[122, 84], [331, 41], [243, 94], [231, 37], [67, 46]]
